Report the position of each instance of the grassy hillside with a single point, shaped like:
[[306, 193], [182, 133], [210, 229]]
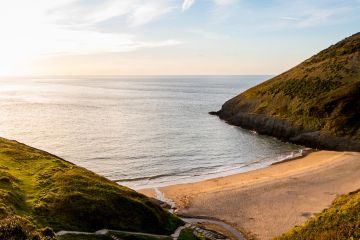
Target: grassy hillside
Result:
[[320, 94], [46, 191], [340, 221]]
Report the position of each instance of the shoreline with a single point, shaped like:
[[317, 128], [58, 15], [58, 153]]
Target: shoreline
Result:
[[289, 191], [255, 165]]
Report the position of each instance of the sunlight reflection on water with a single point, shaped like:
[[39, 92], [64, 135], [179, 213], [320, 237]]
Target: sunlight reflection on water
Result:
[[140, 131]]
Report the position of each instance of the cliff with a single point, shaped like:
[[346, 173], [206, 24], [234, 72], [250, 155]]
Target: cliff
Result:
[[316, 103], [39, 191]]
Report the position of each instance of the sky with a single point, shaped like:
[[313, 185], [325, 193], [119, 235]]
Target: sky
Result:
[[168, 37]]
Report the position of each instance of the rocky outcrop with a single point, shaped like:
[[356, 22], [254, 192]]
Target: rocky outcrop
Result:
[[287, 132], [316, 103]]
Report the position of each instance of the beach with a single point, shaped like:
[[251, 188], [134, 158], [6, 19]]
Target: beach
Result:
[[266, 202]]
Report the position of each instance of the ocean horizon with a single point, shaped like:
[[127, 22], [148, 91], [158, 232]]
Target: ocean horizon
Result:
[[140, 131]]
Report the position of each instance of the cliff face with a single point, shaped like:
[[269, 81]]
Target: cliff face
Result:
[[316, 103]]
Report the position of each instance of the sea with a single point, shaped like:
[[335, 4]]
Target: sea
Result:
[[140, 131]]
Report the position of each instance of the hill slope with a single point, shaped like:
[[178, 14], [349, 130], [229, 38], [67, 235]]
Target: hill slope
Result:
[[316, 103], [46, 191], [340, 221]]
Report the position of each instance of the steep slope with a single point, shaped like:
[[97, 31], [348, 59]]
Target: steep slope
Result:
[[340, 221], [50, 192], [316, 103]]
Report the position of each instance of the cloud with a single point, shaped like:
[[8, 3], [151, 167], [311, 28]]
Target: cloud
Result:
[[187, 4], [134, 12], [144, 14], [208, 34], [290, 18], [223, 10], [66, 27], [225, 2], [316, 18], [90, 42], [303, 14]]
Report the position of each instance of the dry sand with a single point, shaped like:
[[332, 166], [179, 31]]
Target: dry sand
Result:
[[269, 201]]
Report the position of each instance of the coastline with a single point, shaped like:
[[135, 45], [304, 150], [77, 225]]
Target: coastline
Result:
[[246, 167], [290, 192]]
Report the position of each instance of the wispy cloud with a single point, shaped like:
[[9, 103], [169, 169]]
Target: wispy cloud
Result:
[[223, 9], [146, 13], [303, 15], [225, 2], [66, 27], [90, 42], [134, 12], [208, 34], [59, 24], [290, 18], [63, 28], [187, 4], [317, 17]]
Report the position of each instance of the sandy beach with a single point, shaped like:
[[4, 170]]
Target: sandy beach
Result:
[[267, 202]]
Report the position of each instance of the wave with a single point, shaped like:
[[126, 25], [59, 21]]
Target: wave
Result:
[[196, 171], [161, 196], [143, 178], [218, 169], [293, 155]]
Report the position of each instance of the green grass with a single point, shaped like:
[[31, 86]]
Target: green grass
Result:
[[320, 94], [123, 236], [137, 236], [83, 237], [50, 192], [188, 234], [17, 228], [338, 222]]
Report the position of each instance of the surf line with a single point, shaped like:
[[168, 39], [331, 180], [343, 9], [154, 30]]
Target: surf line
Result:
[[195, 220]]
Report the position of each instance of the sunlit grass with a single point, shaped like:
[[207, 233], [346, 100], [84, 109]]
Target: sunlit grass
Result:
[[51, 192], [340, 221], [322, 93]]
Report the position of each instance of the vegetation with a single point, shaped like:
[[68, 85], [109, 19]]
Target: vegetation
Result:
[[320, 94], [17, 228], [84, 237], [112, 235], [138, 236], [129, 236], [340, 221], [188, 234], [46, 191]]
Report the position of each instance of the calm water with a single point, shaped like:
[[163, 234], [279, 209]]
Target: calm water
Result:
[[138, 131]]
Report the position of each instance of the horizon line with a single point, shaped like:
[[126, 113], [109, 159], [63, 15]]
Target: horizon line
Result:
[[130, 75]]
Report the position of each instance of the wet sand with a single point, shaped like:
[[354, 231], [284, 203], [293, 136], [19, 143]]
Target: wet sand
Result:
[[267, 202]]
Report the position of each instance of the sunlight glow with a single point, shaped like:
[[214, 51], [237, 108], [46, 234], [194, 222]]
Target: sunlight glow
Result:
[[152, 37], [24, 33], [32, 32]]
